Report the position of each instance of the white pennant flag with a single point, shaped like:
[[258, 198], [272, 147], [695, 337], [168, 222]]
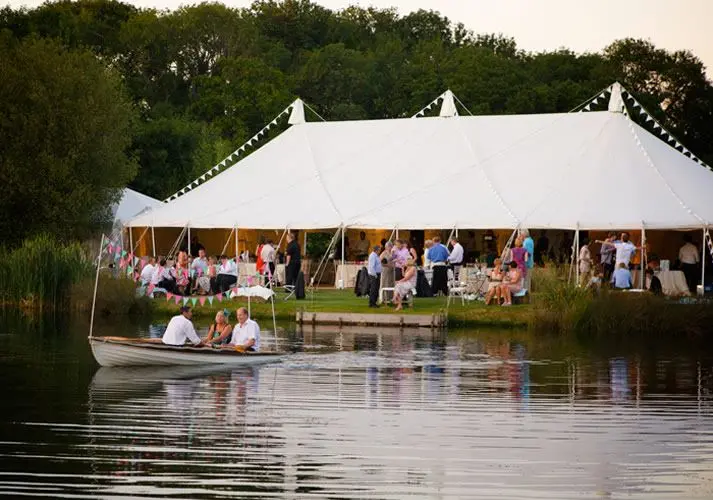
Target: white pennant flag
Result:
[[202, 177], [273, 122], [649, 119], [586, 108], [657, 126]]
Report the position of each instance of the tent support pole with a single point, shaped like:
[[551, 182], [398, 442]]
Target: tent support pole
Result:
[[153, 241], [96, 285], [131, 240], [189, 241], [706, 235], [576, 249], [237, 254], [344, 230], [274, 321], [397, 232], [304, 245], [227, 241], [643, 258]]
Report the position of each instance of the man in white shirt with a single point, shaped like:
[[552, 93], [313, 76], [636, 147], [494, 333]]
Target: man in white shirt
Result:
[[148, 271], [180, 330], [246, 333], [227, 274], [688, 256], [625, 249], [268, 257], [455, 259], [200, 263]]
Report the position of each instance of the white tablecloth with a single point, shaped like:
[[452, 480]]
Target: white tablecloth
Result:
[[246, 269], [351, 269], [672, 282]]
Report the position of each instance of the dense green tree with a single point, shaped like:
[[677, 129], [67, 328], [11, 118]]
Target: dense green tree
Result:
[[65, 128]]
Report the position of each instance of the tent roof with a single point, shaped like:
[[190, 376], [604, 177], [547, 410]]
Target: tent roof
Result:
[[594, 170], [132, 204]]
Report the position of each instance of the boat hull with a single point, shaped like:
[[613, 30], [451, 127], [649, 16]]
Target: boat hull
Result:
[[129, 352]]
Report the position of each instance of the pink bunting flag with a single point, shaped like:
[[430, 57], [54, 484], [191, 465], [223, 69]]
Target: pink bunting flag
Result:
[[177, 299], [219, 297], [201, 300], [169, 295], [109, 248], [250, 281], [136, 276], [150, 288]]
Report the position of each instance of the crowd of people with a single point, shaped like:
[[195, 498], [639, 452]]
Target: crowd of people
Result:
[[198, 274]]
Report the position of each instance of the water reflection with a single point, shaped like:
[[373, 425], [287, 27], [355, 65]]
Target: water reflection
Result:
[[360, 413]]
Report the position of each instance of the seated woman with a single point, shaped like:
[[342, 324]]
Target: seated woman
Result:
[[206, 280], [405, 284], [512, 283], [220, 331], [181, 276], [165, 277], [496, 279], [227, 274]]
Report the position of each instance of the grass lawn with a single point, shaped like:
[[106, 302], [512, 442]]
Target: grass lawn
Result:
[[330, 300]]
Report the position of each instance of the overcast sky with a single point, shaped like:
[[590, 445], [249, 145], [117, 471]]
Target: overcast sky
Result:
[[550, 24]]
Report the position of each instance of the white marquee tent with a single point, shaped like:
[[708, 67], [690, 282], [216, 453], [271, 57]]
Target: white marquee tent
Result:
[[132, 204], [593, 170]]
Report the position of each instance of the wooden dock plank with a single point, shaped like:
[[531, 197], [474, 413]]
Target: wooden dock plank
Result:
[[397, 320]]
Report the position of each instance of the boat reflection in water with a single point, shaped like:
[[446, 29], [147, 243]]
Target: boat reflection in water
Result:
[[390, 414]]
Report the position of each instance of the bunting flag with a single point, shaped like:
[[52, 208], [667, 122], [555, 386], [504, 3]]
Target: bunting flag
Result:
[[210, 299], [233, 157], [176, 299], [129, 270], [201, 299], [194, 300], [123, 253], [150, 288], [136, 276], [219, 297], [169, 295], [185, 300]]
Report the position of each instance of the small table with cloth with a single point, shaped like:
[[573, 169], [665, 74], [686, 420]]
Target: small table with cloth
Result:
[[673, 283]]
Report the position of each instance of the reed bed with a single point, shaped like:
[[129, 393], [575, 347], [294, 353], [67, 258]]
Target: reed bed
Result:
[[39, 274]]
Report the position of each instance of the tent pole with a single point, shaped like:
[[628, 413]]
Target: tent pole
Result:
[[703, 260], [576, 260], [344, 230], [131, 240], [237, 255], [227, 241], [96, 285], [153, 241], [189, 241], [643, 258], [397, 232], [274, 321]]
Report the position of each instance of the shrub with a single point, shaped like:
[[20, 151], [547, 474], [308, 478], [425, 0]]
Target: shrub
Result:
[[557, 304], [115, 296]]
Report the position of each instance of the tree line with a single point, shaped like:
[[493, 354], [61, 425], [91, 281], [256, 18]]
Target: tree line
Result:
[[95, 94]]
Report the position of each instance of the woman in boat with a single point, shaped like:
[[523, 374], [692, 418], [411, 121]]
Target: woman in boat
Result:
[[220, 331]]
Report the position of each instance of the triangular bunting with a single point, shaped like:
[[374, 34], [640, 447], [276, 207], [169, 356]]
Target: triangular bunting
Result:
[[176, 299], [185, 300], [202, 300], [210, 299], [169, 295], [587, 107], [194, 300], [219, 297]]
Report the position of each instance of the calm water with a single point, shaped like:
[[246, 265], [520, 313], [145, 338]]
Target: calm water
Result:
[[357, 414]]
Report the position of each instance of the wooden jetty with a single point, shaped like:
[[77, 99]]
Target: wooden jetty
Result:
[[435, 320]]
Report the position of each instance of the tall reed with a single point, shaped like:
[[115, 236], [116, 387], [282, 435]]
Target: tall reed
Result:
[[40, 272], [558, 305]]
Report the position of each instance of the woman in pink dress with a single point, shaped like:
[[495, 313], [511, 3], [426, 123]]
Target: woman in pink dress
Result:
[[519, 255]]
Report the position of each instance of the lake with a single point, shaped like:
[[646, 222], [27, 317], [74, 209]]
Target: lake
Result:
[[357, 413]]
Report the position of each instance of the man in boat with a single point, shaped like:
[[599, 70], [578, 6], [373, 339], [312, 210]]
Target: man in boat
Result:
[[246, 333], [180, 330]]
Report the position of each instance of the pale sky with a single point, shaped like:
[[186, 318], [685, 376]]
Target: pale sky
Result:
[[550, 24]]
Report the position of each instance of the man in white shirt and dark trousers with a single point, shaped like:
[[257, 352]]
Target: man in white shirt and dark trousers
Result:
[[374, 271], [688, 256], [180, 330], [455, 259], [246, 334], [268, 257]]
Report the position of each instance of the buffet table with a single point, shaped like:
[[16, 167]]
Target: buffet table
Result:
[[672, 282]]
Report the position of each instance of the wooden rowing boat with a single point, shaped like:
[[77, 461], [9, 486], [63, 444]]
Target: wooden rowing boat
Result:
[[124, 351]]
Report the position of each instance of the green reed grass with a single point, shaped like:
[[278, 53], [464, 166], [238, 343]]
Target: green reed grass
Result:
[[40, 272]]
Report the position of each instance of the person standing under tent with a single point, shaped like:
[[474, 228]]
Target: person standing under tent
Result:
[[180, 330], [426, 247], [528, 244], [688, 256], [374, 271], [455, 259], [361, 248], [259, 263], [438, 255], [293, 260], [246, 334], [607, 255], [625, 249], [585, 263], [267, 255], [401, 255]]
